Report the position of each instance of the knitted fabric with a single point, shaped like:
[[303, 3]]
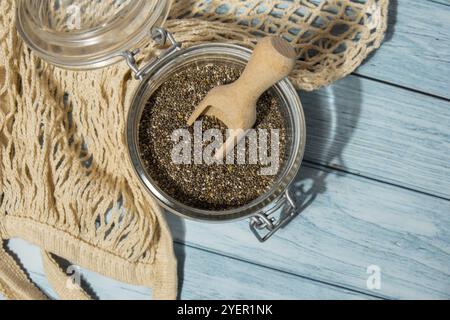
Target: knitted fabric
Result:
[[64, 183]]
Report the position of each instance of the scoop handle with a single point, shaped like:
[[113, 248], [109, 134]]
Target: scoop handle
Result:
[[272, 60]]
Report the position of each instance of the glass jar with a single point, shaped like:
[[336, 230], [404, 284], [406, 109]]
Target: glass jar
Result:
[[87, 34]]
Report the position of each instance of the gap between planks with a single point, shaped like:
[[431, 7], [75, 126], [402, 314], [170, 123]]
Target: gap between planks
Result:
[[201, 279], [431, 95], [319, 166]]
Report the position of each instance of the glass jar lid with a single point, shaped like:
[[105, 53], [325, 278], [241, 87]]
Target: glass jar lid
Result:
[[87, 34]]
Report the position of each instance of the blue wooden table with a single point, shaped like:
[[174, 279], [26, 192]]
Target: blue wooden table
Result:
[[375, 188]]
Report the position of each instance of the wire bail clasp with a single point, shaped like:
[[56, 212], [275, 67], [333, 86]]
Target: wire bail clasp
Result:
[[161, 37], [264, 225]]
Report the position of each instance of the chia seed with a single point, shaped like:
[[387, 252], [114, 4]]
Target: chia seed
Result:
[[210, 187]]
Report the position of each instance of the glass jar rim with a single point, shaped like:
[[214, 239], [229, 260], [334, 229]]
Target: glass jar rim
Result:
[[90, 48], [284, 88]]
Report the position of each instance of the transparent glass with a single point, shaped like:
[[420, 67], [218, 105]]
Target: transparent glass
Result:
[[87, 34], [291, 108]]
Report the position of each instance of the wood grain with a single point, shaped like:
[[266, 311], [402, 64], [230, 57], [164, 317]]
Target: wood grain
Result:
[[382, 132], [350, 224], [204, 276], [416, 52]]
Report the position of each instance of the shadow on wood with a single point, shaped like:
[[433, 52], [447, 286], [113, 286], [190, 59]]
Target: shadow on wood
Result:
[[324, 129], [178, 230], [392, 21]]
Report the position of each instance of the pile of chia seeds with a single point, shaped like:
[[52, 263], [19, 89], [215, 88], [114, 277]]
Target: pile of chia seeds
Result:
[[215, 187]]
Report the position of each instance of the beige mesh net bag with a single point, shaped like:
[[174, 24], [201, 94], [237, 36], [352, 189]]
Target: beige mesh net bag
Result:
[[64, 184]]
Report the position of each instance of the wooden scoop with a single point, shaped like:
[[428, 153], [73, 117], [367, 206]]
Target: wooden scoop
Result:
[[235, 104]]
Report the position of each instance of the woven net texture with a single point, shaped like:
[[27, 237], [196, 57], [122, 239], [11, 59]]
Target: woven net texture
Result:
[[64, 184]]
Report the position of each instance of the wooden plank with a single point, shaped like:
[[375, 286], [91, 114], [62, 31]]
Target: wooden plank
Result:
[[204, 276], [351, 224], [416, 53], [382, 132]]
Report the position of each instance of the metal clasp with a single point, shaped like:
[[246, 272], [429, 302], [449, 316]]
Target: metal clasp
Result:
[[266, 221], [161, 37]]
